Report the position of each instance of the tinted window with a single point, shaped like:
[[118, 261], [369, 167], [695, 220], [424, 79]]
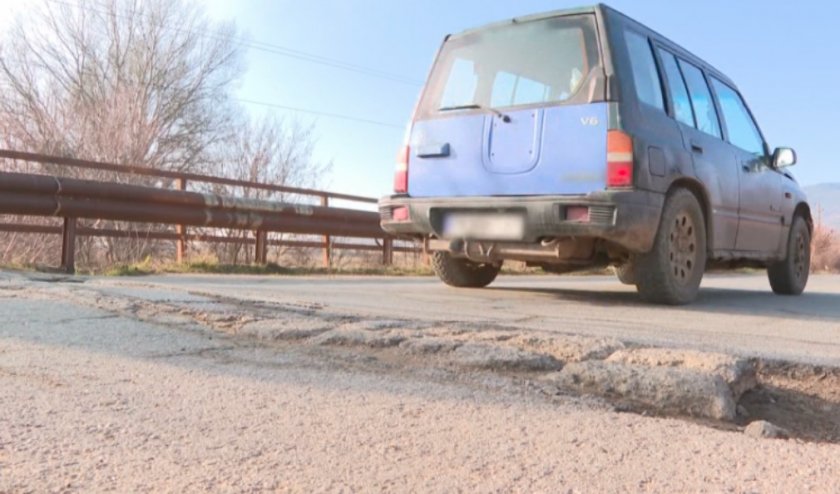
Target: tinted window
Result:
[[701, 99], [740, 127], [645, 75], [679, 94]]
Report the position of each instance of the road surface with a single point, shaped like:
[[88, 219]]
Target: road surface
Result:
[[101, 393], [737, 314]]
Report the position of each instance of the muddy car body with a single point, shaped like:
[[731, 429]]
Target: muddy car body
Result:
[[582, 138]]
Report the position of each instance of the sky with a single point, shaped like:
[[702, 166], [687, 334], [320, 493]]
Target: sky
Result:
[[781, 54]]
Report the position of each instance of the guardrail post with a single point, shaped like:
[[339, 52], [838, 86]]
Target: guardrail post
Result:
[[181, 230], [68, 246], [325, 201], [388, 251], [261, 252]]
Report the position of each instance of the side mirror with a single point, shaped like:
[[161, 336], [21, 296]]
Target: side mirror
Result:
[[783, 158]]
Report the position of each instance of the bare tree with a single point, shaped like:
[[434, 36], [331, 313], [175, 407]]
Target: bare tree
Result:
[[127, 81], [140, 82]]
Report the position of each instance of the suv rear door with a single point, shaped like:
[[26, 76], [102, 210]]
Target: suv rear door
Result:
[[513, 109]]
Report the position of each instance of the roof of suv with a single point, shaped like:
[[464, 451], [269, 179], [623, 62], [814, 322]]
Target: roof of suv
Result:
[[593, 9]]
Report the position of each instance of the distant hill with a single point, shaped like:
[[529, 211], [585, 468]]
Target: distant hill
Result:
[[826, 197]]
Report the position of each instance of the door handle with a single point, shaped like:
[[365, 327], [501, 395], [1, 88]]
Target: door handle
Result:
[[746, 168], [696, 148], [433, 151]]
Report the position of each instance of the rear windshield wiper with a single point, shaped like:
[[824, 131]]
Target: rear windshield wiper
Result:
[[475, 106]]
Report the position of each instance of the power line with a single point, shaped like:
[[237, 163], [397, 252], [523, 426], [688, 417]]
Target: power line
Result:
[[272, 105], [320, 113], [281, 50]]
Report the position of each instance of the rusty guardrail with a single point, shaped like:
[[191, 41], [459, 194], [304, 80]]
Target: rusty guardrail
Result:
[[72, 199]]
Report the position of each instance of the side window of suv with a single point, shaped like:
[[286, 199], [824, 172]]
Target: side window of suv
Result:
[[701, 99], [680, 100], [741, 129], [645, 75]]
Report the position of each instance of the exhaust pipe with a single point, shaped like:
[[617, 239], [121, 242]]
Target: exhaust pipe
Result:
[[492, 252]]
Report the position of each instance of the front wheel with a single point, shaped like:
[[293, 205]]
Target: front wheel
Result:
[[463, 273], [789, 276], [671, 272]]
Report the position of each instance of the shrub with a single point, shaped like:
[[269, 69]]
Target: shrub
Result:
[[825, 250]]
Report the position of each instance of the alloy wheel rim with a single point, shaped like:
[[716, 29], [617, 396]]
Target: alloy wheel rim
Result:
[[682, 252]]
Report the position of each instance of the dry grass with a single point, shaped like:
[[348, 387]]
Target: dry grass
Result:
[[825, 250], [207, 262]]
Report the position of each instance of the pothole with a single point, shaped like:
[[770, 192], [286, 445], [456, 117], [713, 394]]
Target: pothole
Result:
[[802, 399], [718, 390]]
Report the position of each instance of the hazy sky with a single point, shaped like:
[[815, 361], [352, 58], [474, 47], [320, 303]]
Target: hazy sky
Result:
[[781, 54]]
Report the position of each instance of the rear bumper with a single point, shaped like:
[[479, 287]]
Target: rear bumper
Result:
[[627, 218]]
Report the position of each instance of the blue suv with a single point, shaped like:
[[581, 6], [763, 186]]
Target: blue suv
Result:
[[582, 138]]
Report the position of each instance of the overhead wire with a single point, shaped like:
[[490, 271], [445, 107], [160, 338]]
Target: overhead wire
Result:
[[288, 52], [279, 50]]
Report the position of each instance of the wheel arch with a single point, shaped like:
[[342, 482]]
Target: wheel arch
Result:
[[804, 210]]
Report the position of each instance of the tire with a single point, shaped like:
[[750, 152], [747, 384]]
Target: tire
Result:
[[789, 276], [672, 271], [463, 273], [626, 272]]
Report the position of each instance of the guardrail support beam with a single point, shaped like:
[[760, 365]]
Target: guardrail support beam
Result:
[[388, 251], [68, 246], [325, 201], [181, 230], [261, 248]]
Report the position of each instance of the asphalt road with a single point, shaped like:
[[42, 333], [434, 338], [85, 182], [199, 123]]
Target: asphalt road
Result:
[[734, 313], [107, 386]]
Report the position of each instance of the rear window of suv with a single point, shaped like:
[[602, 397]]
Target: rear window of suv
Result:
[[645, 75], [537, 62]]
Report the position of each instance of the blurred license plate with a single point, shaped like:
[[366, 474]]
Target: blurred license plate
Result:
[[483, 226]]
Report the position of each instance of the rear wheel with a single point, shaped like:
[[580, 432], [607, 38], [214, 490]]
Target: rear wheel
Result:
[[671, 272], [789, 277], [463, 273]]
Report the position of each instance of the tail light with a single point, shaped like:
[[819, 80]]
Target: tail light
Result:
[[401, 174], [400, 214], [619, 159]]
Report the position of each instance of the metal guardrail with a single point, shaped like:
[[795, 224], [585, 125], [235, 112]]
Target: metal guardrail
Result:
[[73, 199]]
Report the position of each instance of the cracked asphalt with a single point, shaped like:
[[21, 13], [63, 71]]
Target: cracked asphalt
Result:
[[734, 314], [167, 384]]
